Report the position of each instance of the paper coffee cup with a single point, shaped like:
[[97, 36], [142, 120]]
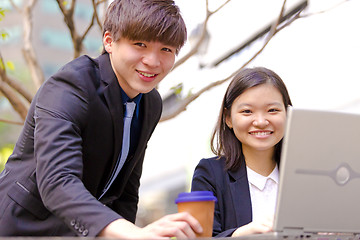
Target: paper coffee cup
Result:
[[200, 204]]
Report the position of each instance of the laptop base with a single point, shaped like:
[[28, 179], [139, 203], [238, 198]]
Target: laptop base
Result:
[[307, 236]]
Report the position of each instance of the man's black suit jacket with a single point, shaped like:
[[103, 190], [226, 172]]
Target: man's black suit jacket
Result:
[[233, 206], [70, 142]]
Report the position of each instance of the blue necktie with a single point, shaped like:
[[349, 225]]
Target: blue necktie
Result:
[[130, 107]]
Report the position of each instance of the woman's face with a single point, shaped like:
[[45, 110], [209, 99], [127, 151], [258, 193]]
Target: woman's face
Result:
[[258, 118]]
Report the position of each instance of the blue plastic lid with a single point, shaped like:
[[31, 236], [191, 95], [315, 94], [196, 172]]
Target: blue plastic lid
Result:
[[195, 196]]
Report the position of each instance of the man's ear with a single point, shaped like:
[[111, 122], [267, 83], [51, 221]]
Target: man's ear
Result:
[[107, 41]]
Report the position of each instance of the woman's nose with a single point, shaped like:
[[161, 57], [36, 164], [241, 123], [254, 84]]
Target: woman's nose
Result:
[[260, 121]]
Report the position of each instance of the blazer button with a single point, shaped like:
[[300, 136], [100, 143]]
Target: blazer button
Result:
[[81, 229], [77, 225], [85, 232], [72, 222]]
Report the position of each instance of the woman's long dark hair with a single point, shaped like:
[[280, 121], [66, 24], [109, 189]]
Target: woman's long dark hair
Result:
[[223, 141]]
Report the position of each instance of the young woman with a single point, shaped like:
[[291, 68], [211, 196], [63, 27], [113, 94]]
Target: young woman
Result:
[[247, 141]]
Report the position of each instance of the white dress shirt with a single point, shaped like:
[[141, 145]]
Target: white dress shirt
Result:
[[263, 193]]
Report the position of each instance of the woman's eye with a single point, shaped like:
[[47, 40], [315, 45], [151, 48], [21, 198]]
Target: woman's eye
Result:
[[246, 111], [273, 110]]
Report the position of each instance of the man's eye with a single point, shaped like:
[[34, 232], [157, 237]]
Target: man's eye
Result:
[[140, 44], [167, 50]]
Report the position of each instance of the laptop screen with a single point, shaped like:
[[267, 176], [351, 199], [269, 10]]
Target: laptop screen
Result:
[[319, 188]]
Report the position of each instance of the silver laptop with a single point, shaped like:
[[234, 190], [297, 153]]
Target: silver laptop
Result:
[[319, 186]]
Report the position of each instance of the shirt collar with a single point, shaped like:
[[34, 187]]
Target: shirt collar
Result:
[[125, 98], [259, 180]]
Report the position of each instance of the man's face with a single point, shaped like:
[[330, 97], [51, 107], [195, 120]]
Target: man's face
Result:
[[139, 65]]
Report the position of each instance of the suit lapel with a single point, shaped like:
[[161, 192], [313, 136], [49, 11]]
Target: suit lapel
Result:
[[240, 193], [111, 91], [145, 124]]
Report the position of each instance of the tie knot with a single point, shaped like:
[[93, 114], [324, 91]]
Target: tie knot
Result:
[[130, 107]]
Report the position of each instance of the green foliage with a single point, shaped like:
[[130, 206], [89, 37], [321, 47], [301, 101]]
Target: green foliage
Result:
[[3, 33], [177, 89], [65, 3], [5, 152], [190, 92], [9, 65], [2, 13]]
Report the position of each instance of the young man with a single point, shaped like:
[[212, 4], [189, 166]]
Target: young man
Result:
[[68, 175]]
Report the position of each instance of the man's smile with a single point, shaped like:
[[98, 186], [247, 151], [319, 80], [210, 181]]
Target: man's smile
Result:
[[147, 74]]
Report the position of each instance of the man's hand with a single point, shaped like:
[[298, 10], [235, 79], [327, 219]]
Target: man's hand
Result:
[[180, 225]]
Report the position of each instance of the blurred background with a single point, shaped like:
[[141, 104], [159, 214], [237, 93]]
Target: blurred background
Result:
[[314, 47]]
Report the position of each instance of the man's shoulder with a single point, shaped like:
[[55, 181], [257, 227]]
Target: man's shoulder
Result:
[[81, 71], [153, 103], [154, 96], [82, 63]]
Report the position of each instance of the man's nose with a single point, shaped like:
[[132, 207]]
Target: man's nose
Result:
[[152, 59]]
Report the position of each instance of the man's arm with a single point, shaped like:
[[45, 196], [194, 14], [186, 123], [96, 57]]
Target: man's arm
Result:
[[179, 225], [61, 113], [127, 203]]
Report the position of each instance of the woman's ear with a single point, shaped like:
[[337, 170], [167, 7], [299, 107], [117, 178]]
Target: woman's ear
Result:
[[107, 41], [228, 118]]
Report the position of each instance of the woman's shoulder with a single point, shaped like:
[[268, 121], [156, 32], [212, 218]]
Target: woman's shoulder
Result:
[[213, 162], [209, 173]]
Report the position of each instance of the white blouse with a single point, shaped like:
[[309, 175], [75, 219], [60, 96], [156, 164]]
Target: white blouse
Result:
[[263, 193]]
